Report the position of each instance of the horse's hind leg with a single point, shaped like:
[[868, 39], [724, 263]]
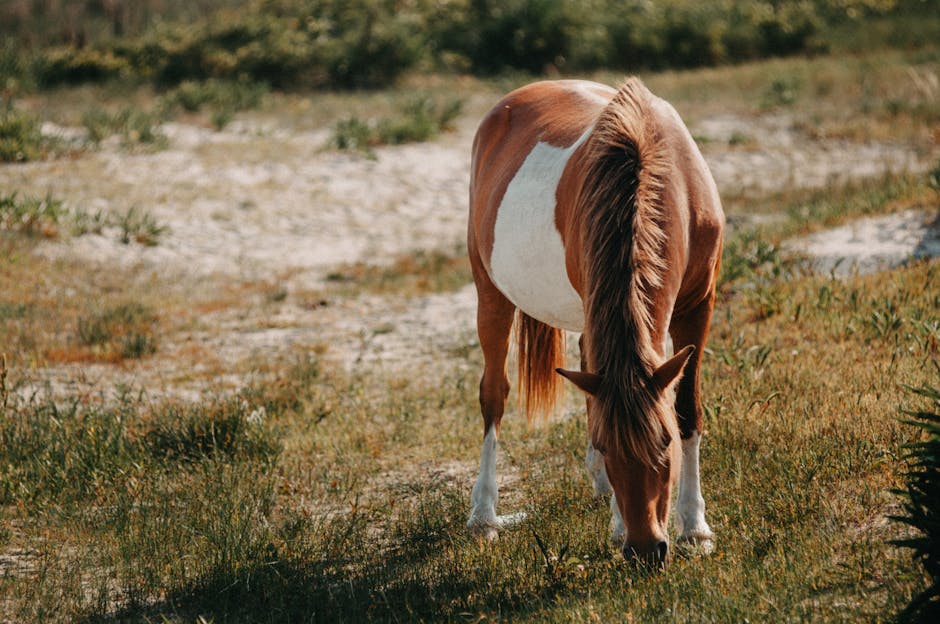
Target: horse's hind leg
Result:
[[690, 505], [494, 325]]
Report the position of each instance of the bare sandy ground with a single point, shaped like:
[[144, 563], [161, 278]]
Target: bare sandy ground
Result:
[[260, 202]]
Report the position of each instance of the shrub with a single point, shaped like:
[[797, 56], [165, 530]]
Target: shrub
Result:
[[20, 135], [922, 504], [136, 127], [420, 119], [283, 43], [192, 96]]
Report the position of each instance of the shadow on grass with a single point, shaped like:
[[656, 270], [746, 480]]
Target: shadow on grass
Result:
[[427, 572]]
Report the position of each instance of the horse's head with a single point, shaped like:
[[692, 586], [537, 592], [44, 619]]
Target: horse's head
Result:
[[639, 439]]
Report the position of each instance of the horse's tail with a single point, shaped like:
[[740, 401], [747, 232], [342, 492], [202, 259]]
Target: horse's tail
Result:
[[541, 350]]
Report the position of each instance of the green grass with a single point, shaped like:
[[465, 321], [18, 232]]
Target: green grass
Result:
[[922, 502], [30, 216], [420, 119], [20, 136], [136, 127], [331, 505]]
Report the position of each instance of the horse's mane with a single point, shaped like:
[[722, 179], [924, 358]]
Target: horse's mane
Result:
[[623, 239]]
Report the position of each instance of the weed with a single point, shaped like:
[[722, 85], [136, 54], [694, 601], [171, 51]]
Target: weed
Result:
[[139, 226], [136, 127], [922, 503], [218, 94], [20, 135], [226, 428], [782, 92], [31, 216], [420, 120], [421, 272]]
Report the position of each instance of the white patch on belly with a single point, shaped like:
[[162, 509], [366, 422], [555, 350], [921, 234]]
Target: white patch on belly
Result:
[[528, 259]]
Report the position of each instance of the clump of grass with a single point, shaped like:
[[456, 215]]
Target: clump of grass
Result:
[[67, 453], [20, 135], [140, 226], [133, 225], [782, 91], [421, 272], [922, 504], [230, 428], [419, 120], [31, 216], [121, 332], [222, 97], [136, 127]]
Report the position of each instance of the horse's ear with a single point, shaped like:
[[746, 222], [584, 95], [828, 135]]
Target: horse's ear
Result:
[[589, 382], [667, 373]]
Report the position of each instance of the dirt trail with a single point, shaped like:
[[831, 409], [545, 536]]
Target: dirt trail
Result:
[[259, 202]]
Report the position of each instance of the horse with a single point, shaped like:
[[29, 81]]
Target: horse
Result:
[[592, 210]]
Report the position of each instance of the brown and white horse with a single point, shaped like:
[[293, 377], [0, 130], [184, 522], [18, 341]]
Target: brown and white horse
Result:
[[592, 210]]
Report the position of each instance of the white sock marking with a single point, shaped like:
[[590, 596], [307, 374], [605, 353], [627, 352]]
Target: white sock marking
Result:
[[597, 472], [528, 259], [483, 497], [618, 531], [690, 506]]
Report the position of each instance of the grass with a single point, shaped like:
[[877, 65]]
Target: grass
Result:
[[32, 216], [136, 127], [921, 499], [419, 273], [321, 495], [20, 135], [419, 120]]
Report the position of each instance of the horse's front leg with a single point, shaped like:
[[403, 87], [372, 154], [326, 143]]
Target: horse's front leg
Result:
[[597, 472], [690, 504]]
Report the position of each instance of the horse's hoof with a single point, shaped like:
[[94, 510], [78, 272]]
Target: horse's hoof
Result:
[[694, 544], [489, 529]]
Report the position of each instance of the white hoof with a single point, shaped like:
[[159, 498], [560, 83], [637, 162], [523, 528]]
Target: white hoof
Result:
[[701, 541], [490, 527]]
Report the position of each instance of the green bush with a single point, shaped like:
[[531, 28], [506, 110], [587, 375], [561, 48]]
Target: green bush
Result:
[[291, 44], [421, 119], [922, 504], [20, 135], [279, 42]]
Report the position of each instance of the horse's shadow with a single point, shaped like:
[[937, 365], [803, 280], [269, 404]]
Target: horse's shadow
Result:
[[409, 581]]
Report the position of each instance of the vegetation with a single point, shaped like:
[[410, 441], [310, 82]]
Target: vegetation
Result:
[[292, 44], [415, 274], [420, 119], [20, 135], [32, 216], [922, 504]]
